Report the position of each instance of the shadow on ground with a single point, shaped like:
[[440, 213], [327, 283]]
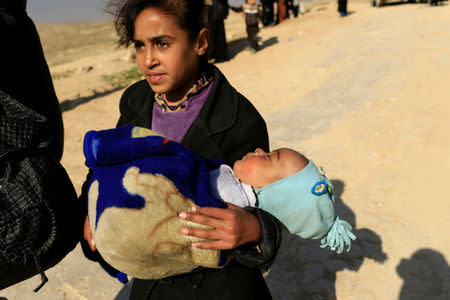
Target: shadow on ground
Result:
[[71, 104], [309, 271], [426, 275], [238, 45], [394, 3]]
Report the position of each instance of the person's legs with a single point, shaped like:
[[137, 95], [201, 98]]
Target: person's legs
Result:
[[252, 31], [342, 7], [295, 11], [220, 42], [267, 13], [301, 7], [288, 7]]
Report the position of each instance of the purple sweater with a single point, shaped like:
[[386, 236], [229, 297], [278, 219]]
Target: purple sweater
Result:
[[175, 124]]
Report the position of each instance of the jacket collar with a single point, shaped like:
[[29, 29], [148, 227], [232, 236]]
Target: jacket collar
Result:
[[219, 112]]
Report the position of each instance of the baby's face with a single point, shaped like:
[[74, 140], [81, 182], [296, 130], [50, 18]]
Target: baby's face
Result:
[[259, 168]]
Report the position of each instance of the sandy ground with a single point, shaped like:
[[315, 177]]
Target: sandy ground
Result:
[[365, 96]]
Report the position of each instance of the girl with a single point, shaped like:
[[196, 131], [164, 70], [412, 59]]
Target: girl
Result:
[[185, 98]]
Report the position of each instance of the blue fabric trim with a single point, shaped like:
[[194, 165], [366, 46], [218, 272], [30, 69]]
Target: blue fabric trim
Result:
[[222, 258], [122, 277]]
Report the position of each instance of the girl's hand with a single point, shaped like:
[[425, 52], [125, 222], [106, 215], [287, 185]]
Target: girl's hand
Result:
[[233, 227], [88, 236]]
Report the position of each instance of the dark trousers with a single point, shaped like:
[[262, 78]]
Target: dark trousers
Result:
[[342, 6], [295, 10], [267, 12], [218, 47], [233, 282], [252, 31]]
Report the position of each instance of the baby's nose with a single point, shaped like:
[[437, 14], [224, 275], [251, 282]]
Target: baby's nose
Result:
[[260, 151]]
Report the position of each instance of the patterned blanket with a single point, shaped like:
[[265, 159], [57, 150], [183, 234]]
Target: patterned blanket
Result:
[[141, 181]]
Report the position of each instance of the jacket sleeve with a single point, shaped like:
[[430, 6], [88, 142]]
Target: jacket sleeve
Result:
[[127, 112], [263, 253]]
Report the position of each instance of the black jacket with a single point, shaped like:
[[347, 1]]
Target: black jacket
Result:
[[227, 128]]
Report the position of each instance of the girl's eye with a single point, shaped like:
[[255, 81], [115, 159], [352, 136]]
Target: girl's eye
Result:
[[138, 46], [162, 44]]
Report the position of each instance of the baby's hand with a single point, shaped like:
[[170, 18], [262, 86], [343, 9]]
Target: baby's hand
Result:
[[233, 227]]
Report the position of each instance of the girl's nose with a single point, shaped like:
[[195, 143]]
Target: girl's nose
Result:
[[150, 58]]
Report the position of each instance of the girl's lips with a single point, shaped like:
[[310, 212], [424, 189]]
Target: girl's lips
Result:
[[155, 78]]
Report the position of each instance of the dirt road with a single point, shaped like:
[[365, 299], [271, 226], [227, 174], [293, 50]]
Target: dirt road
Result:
[[365, 96]]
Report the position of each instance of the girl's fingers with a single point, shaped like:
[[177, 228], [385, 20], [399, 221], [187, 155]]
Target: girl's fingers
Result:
[[214, 239], [200, 233], [222, 239], [203, 219], [218, 213], [211, 245]]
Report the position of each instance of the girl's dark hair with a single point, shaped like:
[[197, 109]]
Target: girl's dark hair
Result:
[[188, 14]]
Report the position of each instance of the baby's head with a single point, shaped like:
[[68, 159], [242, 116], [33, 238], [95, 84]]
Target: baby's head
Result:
[[291, 188], [259, 168]]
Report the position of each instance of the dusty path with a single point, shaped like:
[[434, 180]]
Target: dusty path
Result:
[[366, 97]]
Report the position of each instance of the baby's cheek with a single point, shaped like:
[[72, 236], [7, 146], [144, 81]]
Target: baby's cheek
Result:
[[240, 171], [237, 169]]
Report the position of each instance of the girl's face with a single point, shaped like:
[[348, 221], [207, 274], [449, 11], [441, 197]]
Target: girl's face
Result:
[[166, 56]]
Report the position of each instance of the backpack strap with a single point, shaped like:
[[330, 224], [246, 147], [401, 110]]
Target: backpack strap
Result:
[[44, 278]]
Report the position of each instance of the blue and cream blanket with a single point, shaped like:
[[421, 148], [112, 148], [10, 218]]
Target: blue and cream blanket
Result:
[[141, 181]]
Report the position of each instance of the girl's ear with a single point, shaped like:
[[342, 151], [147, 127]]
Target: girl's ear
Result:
[[202, 43]]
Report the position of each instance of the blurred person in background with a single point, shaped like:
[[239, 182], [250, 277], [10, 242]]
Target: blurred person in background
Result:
[[281, 11], [342, 8], [217, 11], [267, 12]]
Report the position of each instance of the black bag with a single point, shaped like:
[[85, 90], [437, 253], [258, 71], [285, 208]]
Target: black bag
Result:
[[40, 215]]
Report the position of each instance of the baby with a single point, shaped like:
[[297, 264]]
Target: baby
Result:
[[142, 181], [284, 183]]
